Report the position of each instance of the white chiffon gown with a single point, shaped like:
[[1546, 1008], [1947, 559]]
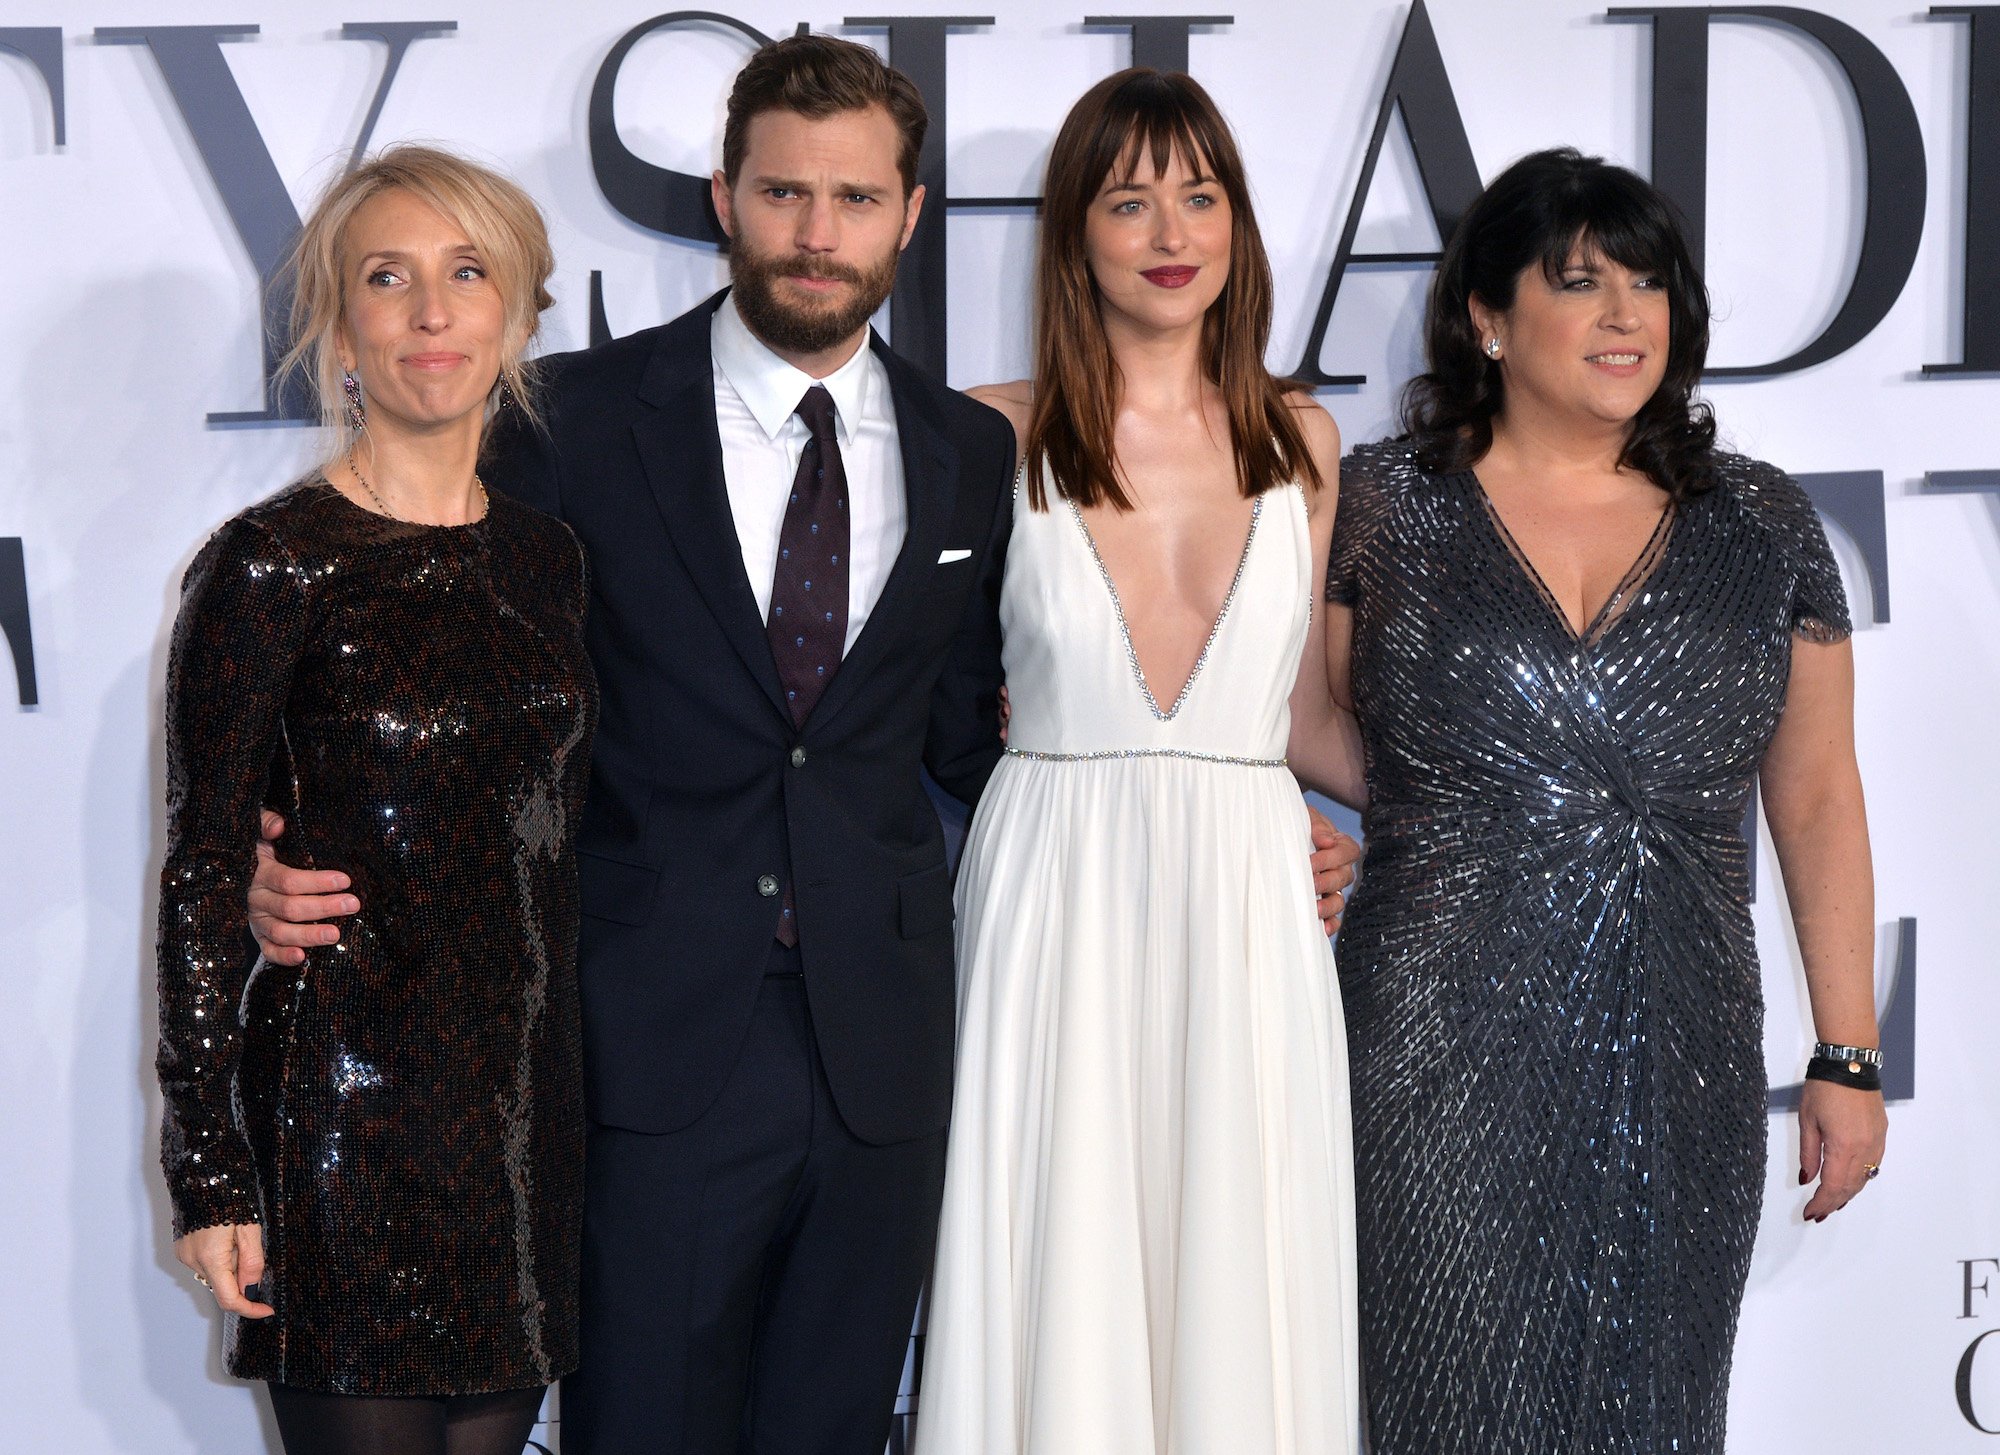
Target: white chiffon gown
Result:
[[1148, 1234]]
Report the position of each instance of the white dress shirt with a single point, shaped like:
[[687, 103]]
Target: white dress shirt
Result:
[[756, 394]]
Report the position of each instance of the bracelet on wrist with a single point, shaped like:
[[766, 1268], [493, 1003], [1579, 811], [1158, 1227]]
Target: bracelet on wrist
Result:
[[1868, 1055], [1860, 1075]]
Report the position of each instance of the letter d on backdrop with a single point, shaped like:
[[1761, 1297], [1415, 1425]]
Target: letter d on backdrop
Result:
[[1892, 147]]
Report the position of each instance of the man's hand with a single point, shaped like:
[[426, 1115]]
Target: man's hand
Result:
[[287, 906], [1333, 860]]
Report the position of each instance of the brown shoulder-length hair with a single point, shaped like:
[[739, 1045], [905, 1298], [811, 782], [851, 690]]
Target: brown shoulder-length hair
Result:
[[1134, 114]]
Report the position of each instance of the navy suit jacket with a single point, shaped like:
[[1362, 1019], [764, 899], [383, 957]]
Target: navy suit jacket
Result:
[[701, 786]]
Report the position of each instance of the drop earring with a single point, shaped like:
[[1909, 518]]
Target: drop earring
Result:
[[357, 417]]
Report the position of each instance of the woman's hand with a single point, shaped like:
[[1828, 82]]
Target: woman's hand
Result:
[[1842, 1131], [227, 1259]]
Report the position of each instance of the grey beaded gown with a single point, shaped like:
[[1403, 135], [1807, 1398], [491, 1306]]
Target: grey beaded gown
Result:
[[1551, 984]]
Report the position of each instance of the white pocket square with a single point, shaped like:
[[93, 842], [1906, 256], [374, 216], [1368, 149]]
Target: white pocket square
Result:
[[945, 558]]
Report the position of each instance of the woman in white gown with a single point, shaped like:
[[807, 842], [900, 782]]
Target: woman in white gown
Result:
[[1148, 1236]]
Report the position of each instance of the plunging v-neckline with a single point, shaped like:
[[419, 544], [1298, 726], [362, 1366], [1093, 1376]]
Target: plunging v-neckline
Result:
[[1613, 609], [1124, 628]]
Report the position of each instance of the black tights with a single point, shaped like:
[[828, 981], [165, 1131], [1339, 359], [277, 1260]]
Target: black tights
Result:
[[314, 1423]]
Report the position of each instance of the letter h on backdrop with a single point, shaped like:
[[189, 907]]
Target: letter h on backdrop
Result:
[[676, 204]]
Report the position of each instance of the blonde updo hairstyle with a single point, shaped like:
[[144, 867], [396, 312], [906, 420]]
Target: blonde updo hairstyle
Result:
[[500, 220]]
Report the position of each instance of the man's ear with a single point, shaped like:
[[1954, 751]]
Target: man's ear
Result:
[[911, 210], [725, 205]]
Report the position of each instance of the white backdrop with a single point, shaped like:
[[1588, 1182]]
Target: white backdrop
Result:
[[129, 314]]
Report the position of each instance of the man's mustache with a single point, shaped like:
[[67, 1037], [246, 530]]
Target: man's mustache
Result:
[[822, 271]]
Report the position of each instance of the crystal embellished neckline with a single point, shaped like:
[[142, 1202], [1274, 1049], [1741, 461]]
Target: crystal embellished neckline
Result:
[[1125, 630]]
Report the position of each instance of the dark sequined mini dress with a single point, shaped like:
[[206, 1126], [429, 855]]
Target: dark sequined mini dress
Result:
[[404, 1114], [1553, 1000]]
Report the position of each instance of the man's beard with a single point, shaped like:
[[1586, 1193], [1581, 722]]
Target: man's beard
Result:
[[805, 328]]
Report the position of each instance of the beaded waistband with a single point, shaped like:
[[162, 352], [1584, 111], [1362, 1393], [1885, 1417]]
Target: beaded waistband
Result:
[[1190, 754]]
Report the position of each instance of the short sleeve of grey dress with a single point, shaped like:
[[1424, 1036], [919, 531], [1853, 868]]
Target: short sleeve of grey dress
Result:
[[1550, 979]]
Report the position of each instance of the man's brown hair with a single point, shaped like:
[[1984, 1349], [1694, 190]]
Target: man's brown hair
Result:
[[818, 76]]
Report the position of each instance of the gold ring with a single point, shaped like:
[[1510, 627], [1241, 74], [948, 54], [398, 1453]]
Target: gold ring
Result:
[[202, 1279], [1873, 1169]]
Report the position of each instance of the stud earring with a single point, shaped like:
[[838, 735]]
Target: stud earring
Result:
[[1493, 348], [357, 417]]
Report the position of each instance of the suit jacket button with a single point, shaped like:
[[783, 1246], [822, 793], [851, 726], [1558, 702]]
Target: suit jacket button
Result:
[[767, 885], [798, 757]]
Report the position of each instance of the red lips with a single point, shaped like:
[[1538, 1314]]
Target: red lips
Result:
[[1170, 277]]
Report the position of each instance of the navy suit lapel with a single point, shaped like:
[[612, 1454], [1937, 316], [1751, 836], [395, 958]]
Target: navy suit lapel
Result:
[[680, 447], [930, 489]]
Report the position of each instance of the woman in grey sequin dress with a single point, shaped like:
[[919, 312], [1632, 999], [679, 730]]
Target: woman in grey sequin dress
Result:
[[1575, 634]]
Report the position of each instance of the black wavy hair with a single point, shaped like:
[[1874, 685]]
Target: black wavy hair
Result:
[[1535, 214]]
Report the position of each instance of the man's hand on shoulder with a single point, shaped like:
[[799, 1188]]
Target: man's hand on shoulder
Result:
[[289, 907]]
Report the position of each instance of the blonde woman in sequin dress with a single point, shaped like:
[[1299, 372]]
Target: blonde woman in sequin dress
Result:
[[1147, 1240], [375, 1148], [1576, 634]]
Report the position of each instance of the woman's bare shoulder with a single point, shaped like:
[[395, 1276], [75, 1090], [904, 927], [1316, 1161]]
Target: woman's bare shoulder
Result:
[[1014, 399], [1322, 434], [1322, 440]]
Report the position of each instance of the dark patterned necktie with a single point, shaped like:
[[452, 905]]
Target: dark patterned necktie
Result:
[[808, 622]]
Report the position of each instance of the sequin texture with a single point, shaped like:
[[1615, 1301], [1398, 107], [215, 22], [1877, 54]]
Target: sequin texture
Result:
[[1551, 983], [404, 1113]]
